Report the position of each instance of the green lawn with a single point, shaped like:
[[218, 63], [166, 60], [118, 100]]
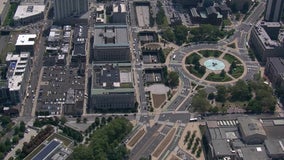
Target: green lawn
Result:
[[194, 72], [238, 71], [230, 58], [210, 53], [217, 78], [192, 58]]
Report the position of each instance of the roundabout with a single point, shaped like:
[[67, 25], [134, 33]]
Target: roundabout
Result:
[[214, 66]]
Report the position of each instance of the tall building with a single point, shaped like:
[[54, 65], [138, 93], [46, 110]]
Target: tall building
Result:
[[273, 10], [69, 8], [111, 43], [4, 8]]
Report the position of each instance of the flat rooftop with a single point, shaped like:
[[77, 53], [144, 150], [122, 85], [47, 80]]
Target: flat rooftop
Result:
[[119, 8], [24, 11], [47, 150], [111, 35], [26, 39]]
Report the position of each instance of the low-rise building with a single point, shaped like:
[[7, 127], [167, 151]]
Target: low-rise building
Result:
[[245, 138], [25, 43], [100, 14], [26, 14], [112, 89], [119, 13]]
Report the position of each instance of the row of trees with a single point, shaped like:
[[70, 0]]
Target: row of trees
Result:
[[36, 141], [106, 142]]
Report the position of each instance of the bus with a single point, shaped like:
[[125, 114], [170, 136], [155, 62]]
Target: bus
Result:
[[192, 119]]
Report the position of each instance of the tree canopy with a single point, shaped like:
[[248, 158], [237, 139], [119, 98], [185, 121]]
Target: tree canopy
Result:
[[106, 142]]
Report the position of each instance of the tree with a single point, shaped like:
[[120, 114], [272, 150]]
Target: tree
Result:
[[5, 120], [221, 93], [109, 119], [22, 126], [81, 152], [211, 96], [240, 91], [15, 139], [232, 67], [78, 120], [173, 79], [85, 120], [97, 121], [223, 73], [63, 120], [169, 35], [181, 33]]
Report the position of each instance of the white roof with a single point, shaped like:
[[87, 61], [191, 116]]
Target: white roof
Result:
[[26, 39], [18, 70], [122, 6], [100, 7], [24, 11]]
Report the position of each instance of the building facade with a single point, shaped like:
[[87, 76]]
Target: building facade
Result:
[[273, 10], [69, 8]]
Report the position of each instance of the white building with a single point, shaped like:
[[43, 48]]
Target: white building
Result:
[[25, 43], [17, 75], [26, 14]]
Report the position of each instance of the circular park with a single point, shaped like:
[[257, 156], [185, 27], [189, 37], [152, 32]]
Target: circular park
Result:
[[214, 66]]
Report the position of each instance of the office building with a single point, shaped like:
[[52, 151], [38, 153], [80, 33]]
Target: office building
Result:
[[111, 43], [69, 8], [111, 88], [273, 10], [26, 14], [262, 43], [4, 8]]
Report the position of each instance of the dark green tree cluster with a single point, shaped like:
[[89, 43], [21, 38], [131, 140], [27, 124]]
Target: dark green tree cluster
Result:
[[200, 102], [161, 18], [106, 142], [77, 136], [206, 32], [177, 34], [259, 95], [36, 141], [173, 79]]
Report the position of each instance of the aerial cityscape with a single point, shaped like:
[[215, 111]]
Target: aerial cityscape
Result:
[[141, 79]]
